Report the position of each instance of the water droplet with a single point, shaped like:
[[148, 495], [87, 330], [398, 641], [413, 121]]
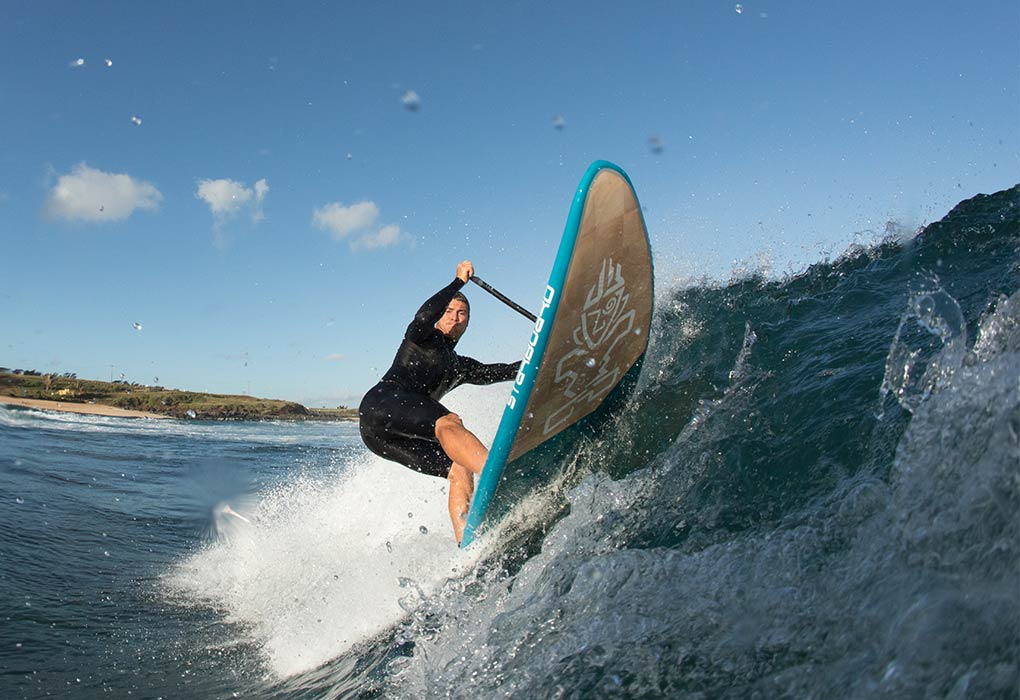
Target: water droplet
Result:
[[78, 63], [109, 63], [411, 100], [739, 8], [410, 515], [389, 547], [136, 120], [655, 143], [106, 554], [559, 122], [19, 500], [637, 331], [349, 156], [423, 530], [590, 362]]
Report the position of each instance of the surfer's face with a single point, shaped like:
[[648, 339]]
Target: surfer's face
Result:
[[455, 320]]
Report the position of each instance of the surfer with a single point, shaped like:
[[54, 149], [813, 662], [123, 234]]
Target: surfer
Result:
[[401, 417]]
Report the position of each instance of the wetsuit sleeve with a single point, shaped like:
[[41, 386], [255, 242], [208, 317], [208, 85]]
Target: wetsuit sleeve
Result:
[[474, 372], [431, 311]]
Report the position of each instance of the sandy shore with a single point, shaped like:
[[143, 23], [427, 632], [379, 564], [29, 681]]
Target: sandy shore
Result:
[[93, 409]]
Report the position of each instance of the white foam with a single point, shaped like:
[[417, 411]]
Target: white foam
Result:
[[264, 432], [321, 566], [325, 562]]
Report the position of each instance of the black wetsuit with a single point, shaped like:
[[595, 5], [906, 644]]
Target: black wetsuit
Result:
[[398, 415]]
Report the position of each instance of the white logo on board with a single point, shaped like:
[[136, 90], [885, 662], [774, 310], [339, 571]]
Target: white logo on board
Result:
[[536, 332], [591, 369]]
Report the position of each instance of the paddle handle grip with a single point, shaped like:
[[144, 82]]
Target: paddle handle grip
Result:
[[504, 298]]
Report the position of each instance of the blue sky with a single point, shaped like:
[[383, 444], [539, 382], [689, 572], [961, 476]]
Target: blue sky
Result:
[[270, 190]]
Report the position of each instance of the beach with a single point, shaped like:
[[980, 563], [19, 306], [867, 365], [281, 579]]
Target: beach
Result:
[[94, 409]]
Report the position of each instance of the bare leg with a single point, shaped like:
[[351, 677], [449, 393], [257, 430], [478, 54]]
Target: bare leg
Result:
[[468, 456], [460, 444], [462, 485]]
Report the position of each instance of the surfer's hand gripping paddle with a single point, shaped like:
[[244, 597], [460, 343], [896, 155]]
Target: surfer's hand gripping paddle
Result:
[[503, 298]]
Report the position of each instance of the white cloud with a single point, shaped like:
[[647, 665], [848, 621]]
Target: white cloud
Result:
[[224, 197], [383, 238], [342, 221], [227, 198], [335, 357], [356, 225], [87, 194], [261, 188]]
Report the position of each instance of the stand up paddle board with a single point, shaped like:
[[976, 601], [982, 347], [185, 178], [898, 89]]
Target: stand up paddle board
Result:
[[587, 342]]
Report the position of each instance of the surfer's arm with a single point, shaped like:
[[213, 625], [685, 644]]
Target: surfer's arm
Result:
[[431, 311], [474, 372]]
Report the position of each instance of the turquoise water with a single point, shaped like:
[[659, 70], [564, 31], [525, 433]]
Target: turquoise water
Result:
[[814, 491]]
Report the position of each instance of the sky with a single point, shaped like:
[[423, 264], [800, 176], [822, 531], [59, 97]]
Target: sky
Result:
[[255, 197]]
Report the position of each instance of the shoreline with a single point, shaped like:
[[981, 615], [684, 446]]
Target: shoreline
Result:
[[92, 409]]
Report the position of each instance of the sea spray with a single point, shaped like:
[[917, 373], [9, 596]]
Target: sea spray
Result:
[[321, 563], [323, 566], [933, 323]]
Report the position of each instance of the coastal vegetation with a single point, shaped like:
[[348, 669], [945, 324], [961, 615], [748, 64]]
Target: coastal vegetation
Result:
[[31, 384]]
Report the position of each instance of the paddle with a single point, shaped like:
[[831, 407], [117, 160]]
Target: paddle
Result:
[[503, 298]]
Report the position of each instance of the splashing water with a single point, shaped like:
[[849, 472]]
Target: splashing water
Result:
[[316, 567], [929, 346], [411, 100]]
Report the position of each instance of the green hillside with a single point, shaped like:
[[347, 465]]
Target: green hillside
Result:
[[157, 399]]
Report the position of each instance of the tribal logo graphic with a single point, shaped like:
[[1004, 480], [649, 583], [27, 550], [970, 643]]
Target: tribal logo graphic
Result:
[[591, 369]]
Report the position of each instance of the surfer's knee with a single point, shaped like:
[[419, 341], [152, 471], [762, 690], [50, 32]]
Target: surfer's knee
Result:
[[448, 423]]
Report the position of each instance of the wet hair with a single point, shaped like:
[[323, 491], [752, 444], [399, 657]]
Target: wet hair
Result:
[[459, 296]]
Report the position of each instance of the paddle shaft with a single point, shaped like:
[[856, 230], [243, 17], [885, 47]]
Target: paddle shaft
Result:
[[504, 298]]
